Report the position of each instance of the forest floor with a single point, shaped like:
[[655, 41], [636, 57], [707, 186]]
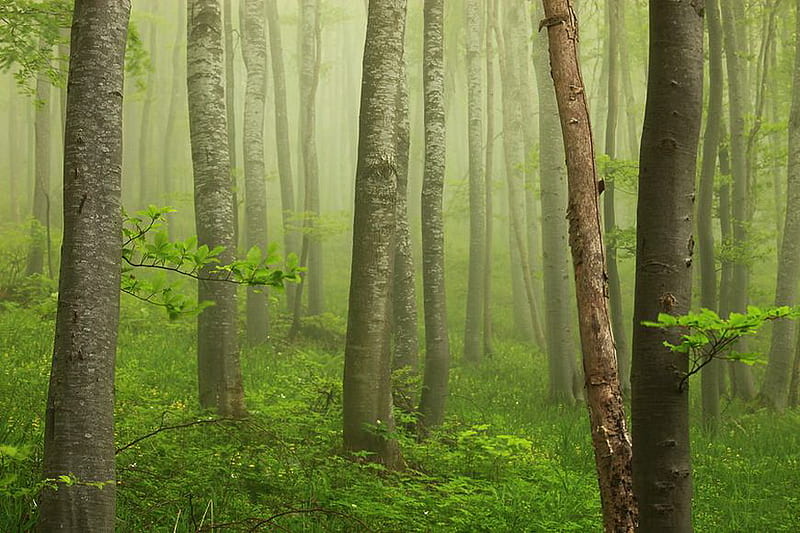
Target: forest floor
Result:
[[505, 461]]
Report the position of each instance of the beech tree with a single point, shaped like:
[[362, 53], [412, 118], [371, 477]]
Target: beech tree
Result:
[[664, 248], [79, 421], [437, 345], [219, 374], [610, 439], [367, 391], [254, 50]]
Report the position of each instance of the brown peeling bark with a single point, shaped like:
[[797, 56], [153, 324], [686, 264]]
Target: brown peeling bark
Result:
[[610, 438]]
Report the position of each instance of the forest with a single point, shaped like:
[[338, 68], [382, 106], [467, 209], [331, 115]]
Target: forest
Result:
[[400, 266]]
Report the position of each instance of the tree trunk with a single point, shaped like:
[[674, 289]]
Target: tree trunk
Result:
[[79, 421], [489, 172], [367, 391], [219, 373], [705, 206], [559, 326], [775, 389], [609, 209], [437, 346], [169, 182], [743, 386], [15, 174], [290, 238], [230, 112], [309, 77], [473, 347], [514, 150], [664, 247], [404, 293], [147, 181], [40, 224], [254, 50], [610, 438]]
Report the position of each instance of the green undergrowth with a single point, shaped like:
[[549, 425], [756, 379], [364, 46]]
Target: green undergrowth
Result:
[[504, 461]]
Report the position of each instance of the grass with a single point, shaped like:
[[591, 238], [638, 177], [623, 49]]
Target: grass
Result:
[[505, 460]]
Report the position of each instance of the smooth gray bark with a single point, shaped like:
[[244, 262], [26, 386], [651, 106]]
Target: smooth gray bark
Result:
[[662, 473], [437, 345], [219, 373], [79, 420], [473, 347], [775, 389], [254, 50], [367, 390]]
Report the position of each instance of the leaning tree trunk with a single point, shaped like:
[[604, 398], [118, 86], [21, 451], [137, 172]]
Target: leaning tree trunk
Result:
[[558, 310], [291, 239], [664, 247], [437, 346], [610, 438], [367, 390], [254, 50], [40, 224], [473, 346], [609, 209], [705, 205], [775, 390], [743, 385], [218, 370], [79, 421]]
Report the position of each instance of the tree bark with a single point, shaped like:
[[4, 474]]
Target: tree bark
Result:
[[609, 209], [219, 373], [437, 346], [775, 389], [743, 386], [254, 50], [489, 172], [230, 111], [79, 421], [367, 391], [473, 347], [664, 247], [404, 293], [291, 239], [705, 205], [610, 438], [40, 224], [309, 80]]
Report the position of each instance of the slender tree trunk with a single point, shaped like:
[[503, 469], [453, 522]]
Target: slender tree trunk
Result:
[[489, 172], [664, 247], [367, 391], [254, 50], [147, 181], [404, 293], [230, 111], [705, 205], [631, 112], [79, 421], [437, 346], [169, 183], [609, 209], [743, 386], [559, 300], [309, 80], [775, 389], [610, 438], [290, 237], [514, 149], [40, 224], [15, 174], [219, 373], [473, 346]]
